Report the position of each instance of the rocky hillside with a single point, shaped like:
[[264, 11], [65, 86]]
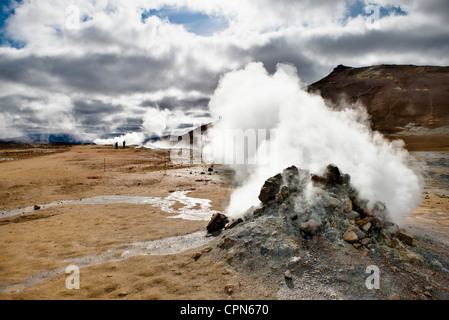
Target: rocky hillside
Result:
[[405, 101]]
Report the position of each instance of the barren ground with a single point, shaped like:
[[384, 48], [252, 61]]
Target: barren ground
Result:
[[43, 241]]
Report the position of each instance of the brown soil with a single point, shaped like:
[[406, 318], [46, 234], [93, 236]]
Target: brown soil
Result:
[[43, 240]]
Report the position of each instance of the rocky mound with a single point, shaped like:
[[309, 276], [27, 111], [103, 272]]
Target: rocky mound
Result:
[[314, 238]]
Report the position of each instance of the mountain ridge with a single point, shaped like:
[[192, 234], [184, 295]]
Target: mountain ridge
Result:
[[409, 102]]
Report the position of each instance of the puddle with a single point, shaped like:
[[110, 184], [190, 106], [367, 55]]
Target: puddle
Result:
[[193, 209]]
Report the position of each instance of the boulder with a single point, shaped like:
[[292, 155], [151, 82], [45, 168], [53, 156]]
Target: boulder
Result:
[[333, 175], [270, 188], [217, 222]]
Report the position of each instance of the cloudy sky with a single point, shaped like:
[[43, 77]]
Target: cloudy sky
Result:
[[92, 68]]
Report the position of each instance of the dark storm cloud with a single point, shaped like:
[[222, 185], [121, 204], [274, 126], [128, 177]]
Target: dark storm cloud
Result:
[[105, 73], [172, 103], [130, 125], [91, 112], [88, 107], [383, 43], [435, 8], [15, 104], [30, 70], [112, 74]]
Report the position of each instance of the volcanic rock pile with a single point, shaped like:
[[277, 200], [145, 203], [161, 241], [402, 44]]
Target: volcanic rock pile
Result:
[[313, 237], [332, 209]]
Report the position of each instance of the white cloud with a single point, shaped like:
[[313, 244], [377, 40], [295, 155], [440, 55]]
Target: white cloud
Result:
[[130, 139]]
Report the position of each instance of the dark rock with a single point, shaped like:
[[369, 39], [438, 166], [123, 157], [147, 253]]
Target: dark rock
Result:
[[366, 241], [360, 234], [377, 223], [362, 222], [36, 207], [333, 175], [197, 256], [405, 238], [270, 188], [282, 194], [318, 180], [263, 251], [359, 206], [217, 222], [233, 223], [291, 178], [229, 289], [310, 226]]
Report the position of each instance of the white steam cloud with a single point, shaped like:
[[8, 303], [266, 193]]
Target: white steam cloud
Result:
[[305, 133], [131, 139], [155, 121]]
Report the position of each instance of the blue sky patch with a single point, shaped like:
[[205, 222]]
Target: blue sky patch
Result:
[[359, 7], [196, 22], [5, 12]]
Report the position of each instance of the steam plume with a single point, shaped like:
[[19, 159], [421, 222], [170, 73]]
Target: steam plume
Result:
[[305, 133]]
